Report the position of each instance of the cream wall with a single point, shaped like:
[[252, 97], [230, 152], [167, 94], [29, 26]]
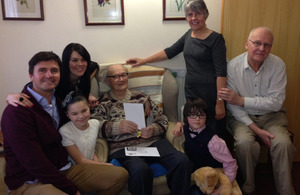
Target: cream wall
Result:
[[143, 34]]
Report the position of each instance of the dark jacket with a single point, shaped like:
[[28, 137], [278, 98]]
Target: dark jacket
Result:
[[33, 148]]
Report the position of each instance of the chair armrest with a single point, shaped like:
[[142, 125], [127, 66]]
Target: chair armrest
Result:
[[176, 141], [101, 149]]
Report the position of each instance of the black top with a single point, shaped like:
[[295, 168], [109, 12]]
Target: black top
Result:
[[205, 60]]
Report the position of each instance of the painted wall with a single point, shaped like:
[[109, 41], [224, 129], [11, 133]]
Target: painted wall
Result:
[[143, 34]]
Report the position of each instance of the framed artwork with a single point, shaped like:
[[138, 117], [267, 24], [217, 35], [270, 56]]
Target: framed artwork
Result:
[[173, 10], [22, 9], [104, 12]]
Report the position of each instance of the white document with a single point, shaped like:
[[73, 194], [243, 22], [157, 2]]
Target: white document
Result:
[[135, 112], [141, 151]]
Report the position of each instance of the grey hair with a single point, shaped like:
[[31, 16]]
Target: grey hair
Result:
[[196, 6]]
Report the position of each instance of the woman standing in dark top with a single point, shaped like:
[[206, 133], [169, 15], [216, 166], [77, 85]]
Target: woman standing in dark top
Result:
[[205, 57]]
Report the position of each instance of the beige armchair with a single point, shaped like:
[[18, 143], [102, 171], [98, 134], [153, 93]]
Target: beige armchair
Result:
[[164, 93]]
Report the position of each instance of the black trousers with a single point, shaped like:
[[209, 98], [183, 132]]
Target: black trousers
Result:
[[141, 176]]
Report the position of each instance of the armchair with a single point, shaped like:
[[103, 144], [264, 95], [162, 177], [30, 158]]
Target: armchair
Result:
[[162, 87]]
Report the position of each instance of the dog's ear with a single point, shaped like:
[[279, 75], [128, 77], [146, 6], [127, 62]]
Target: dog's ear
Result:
[[206, 179]]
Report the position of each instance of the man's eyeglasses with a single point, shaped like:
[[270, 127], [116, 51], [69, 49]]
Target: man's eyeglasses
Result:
[[258, 44], [194, 116], [117, 77]]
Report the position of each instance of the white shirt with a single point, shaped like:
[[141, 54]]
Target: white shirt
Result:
[[85, 140], [264, 91]]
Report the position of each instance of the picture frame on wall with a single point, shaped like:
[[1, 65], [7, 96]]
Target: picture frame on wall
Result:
[[173, 9], [104, 12], [22, 9]]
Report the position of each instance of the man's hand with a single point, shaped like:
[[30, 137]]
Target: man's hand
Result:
[[147, 132], [265, 137], [128, 127], [231, 97], [178, 129]]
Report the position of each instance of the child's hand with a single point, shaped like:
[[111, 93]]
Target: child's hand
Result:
[[103, 163], [178, 129], [216, 191]]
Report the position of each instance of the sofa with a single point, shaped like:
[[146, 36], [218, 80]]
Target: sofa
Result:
[[156, 82]]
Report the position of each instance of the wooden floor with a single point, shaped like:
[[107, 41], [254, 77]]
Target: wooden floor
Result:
[[265, 182]]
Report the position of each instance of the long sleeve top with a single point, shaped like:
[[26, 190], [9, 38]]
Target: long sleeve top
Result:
[[264, 91], [110, 112], [33, 149]]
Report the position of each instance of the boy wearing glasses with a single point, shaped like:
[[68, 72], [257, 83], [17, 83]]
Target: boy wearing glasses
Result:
[[202, 145], [255, 93]]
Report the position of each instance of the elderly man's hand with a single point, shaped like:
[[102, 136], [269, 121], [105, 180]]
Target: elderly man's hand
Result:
[[231, 97], [178, 129], [128, 127], [147, 132], [265, 137]]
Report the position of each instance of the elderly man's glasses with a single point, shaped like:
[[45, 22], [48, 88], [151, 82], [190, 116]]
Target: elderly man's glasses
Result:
[[258, 44], [194, 116], [117, 77]]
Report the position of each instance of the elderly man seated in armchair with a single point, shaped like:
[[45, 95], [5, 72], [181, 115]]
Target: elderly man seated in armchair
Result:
[[121, 133]]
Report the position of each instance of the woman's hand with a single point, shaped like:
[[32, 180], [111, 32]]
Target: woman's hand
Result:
[[178, 129], [16, 99], [220, 109], [93, 101], [134, 61]]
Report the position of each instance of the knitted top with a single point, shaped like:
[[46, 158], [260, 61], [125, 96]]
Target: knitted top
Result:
[[110, 112]]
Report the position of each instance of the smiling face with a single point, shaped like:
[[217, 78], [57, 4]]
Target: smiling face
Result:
[[77, 65], [119, 84], [259, 45], [45, 77], [196, 20], [79, 114]]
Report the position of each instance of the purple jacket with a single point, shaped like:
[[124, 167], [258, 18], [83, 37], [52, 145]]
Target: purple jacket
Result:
[[33, 148]]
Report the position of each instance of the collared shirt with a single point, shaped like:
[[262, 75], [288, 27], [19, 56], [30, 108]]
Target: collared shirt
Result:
[[49, 108], [264, 90]]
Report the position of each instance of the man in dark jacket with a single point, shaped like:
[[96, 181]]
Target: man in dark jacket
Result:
[[37, 163]]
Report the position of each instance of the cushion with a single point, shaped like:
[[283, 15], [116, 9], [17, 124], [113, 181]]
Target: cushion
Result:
[[157, 169], [145, 78]]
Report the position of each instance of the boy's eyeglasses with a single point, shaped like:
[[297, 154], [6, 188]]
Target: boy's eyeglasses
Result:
[[117, 77], [194, 116]]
